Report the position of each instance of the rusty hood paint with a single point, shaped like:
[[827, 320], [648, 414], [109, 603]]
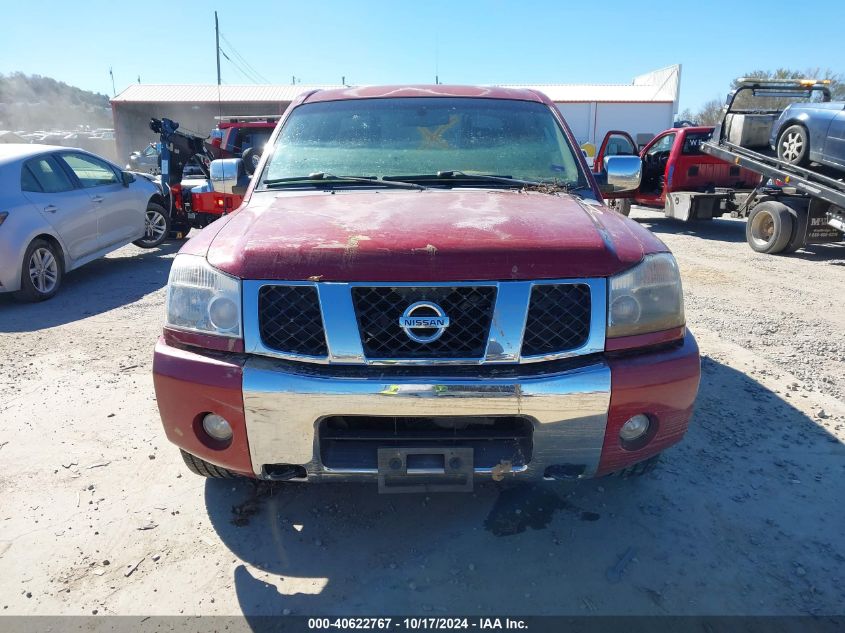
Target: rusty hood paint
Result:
[[434, 235]]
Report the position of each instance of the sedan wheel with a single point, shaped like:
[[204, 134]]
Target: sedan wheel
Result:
[[156, 226], [42, 272], [793, 146]]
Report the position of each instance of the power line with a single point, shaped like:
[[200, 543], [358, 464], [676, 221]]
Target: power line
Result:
[[243, 60], [243, 72]]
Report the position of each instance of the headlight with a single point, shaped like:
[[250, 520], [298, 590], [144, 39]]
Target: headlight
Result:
[[647, 298], [203, 299]]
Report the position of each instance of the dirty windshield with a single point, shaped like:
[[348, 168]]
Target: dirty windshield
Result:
[[400, 137]]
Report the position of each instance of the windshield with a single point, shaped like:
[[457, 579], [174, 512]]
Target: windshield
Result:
[[397, 137]]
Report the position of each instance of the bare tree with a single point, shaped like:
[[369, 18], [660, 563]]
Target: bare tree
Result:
[[686, 115], [710, 113]]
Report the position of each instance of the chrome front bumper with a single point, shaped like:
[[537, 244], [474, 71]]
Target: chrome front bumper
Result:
[[283, 408]]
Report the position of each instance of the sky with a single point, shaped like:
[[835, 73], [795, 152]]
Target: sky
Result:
[[461, 41]]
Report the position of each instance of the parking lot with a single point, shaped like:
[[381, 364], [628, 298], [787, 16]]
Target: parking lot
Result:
[[99, 515]]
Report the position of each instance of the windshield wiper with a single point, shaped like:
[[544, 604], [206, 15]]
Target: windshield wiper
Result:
[[456, 174], [528, 185], [327, 178]]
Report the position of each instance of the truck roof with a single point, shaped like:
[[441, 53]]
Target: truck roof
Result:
[[426, 90], [692, 128]]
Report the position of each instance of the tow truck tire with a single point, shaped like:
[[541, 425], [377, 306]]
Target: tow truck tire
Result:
[[769, 227], [204, 469], [156, 226], [794, 145], [620, 205], [800, 217]]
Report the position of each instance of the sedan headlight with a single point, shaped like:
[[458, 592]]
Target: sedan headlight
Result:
[[200, 298], [646, 298]]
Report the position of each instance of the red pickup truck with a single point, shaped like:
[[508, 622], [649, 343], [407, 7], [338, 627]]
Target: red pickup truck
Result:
[[673, 163], [423, 288]]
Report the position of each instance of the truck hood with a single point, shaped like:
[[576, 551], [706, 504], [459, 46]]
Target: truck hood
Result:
[[433, 235]]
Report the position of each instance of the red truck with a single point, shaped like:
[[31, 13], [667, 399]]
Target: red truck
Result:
[[235, 135], [423, 288], [675, 168]]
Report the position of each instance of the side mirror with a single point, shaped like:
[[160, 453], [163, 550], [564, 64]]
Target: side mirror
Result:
[[622, 173], [251, 156], [225, 173], [127, 178]]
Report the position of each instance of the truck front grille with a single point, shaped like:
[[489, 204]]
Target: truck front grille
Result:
[[469, 308], [489, 322], [558, 319], [290, 321]]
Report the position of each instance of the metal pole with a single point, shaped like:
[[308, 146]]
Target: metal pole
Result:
[[217, 47]]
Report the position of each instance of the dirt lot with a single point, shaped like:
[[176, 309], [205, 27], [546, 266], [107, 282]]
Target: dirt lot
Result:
[[99, 515]]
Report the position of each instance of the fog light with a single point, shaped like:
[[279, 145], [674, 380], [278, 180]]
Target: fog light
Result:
[[634, 428], [217, 427]]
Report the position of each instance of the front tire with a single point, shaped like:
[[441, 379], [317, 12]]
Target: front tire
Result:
[[205, 469], [41, 273], [769, 227], [156, 226], [794, 145]]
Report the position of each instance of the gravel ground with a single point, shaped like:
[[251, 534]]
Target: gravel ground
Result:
[[744, 517]]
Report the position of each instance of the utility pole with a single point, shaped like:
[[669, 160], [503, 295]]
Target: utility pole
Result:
[[113, 91], [217, 46]]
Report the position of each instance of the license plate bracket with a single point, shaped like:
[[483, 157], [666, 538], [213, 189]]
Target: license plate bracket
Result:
[[427, 472]]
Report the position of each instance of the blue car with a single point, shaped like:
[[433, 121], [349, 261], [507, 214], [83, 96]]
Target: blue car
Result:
[[811, 132]]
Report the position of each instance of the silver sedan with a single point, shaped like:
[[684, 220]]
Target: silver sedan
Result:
[[61, 208]]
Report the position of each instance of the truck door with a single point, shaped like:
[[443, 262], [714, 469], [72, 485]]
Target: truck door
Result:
[[615, 143], [655, 160]]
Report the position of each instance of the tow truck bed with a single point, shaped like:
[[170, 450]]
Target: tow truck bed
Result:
[[809, 181], [794, 206]]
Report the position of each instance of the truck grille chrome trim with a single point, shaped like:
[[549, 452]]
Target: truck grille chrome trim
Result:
[[284, 411], [489, 322]]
